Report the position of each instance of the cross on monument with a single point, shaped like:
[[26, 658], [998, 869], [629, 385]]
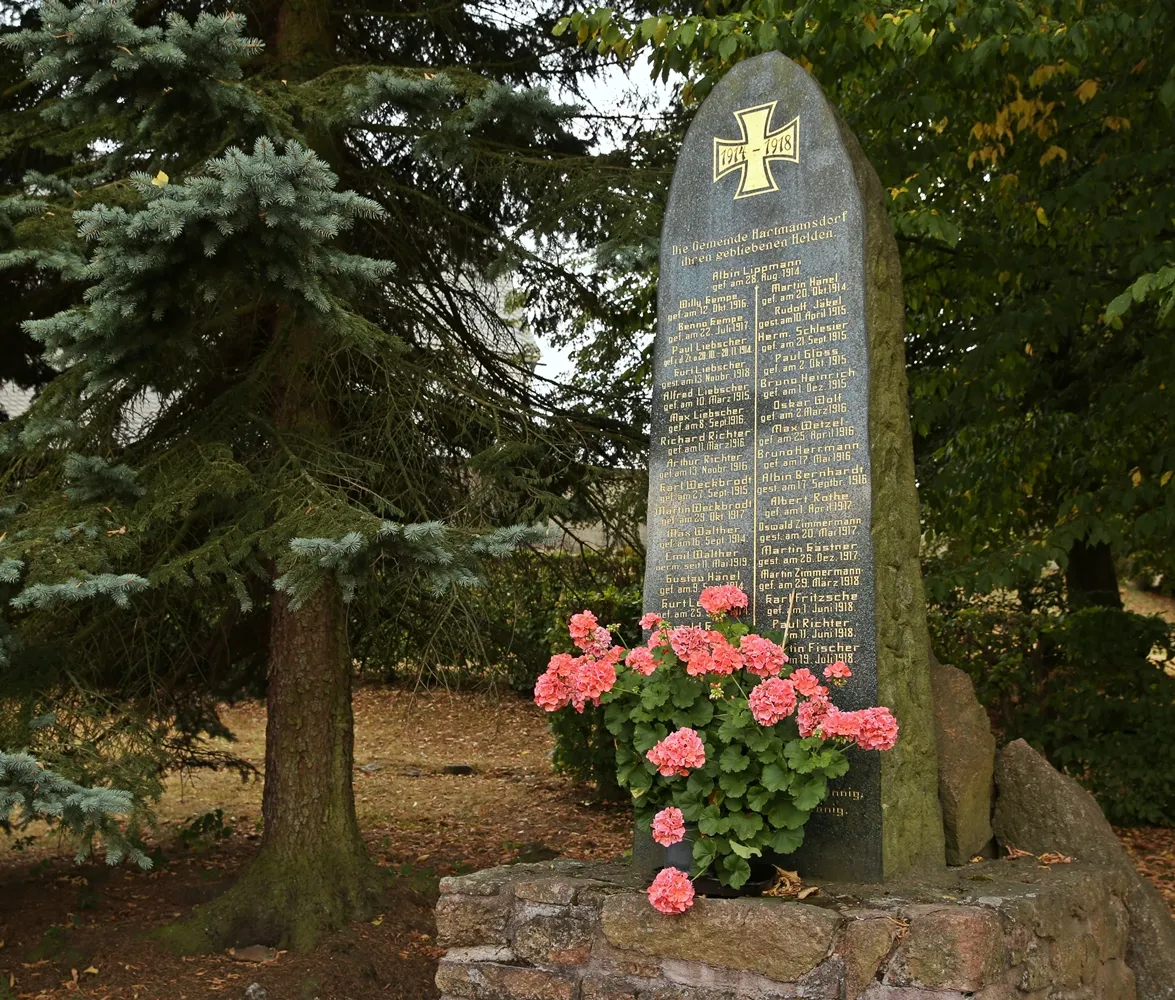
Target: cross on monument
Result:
[[759, 146]]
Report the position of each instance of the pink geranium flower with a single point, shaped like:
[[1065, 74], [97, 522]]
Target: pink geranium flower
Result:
[[811, 714], [583, 628], [700, 662], [678, 753], [650, 621], [591, 679], [551, 692], [844, 725], [641, 660], [669, 827], [878, 729], [837, 671], [689, 639], [762, 656], [671, 891], [723, 600], [772, 700], [806, 682]]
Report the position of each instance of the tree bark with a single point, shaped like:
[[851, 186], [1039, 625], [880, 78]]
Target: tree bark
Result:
[[1091, 578]]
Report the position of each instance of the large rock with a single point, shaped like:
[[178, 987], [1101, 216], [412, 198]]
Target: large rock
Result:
[[966, 763], [1039, 810]]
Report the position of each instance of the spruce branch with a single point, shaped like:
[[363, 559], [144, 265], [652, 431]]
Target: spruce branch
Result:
[[85, 813]]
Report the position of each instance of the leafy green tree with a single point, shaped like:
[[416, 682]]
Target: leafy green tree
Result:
[[270, 389], [1026, 147]]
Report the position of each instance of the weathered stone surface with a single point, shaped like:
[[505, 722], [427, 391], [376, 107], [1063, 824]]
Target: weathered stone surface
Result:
[[783, 941], [1038, 810], [966, 763], [879, 991], [487, 981], [471, 920], [865, 943], [550, 935], [551, 889], [949, 947]]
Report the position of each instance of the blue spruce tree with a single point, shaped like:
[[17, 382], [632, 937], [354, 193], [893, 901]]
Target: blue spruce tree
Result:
[[266, 393]]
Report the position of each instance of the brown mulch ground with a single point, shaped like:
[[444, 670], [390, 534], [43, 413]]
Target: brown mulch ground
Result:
[[82, 932]]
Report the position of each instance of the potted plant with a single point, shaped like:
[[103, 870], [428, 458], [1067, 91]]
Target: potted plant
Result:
[[721, 743]]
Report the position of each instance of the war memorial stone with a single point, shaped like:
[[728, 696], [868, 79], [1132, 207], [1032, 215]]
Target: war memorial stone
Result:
[[781, 455]]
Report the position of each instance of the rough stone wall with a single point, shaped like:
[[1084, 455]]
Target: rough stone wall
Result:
[[1001, 930]]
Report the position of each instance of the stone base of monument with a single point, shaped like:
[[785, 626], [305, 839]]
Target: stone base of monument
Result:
[[996, 930]]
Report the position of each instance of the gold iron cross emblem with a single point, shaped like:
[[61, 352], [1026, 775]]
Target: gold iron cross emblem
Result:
[[753, 154]]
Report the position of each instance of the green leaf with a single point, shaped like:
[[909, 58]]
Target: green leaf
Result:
[[776, 778], [736, 870], [701, 714], [733, 784], [708, 821], [727, 47], [705, 850], [684, 690], [757, 798], [743, 850], [746, 825], [786, 841], [786, 815], [733, 759], [655, 693], [809, 792]]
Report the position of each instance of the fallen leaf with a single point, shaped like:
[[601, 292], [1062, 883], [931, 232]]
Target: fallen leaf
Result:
[[786, 883], [1015, 852], [977, 859], [810, 891], [253, 953], [91, 970], [1055, 858]]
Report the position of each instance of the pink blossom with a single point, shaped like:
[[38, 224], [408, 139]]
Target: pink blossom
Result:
[[650, 621], [641, 660], [583, 629], [837, 671], [688, 639], [612, 656], [762, 656], [700, 662], [669, 827], [725, 658], [772, 700], [836, 723], [723, 600], [671, 891], [592, 678], [805, 681], [811, 714], [878, 729], [551, 692], [678, 753]]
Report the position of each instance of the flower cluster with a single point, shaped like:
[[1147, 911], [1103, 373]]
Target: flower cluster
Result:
[[669, 827], [725, 600], [773, 700], [762, 657], [726, 682], [578, 680], [679, 753], [671, 891]]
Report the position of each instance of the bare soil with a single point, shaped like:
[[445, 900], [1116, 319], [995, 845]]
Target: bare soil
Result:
[[84, 932]]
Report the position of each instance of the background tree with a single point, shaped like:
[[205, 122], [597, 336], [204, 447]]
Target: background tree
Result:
[[1025, 147], [270, 390]]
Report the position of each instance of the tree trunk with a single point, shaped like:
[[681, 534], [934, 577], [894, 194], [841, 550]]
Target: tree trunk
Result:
[[1091, 578]]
